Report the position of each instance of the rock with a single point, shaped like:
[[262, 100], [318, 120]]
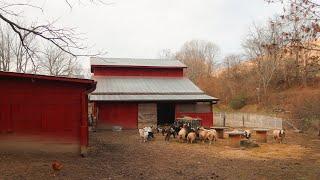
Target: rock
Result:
[[297, 131], [83, 151], [116, 128]]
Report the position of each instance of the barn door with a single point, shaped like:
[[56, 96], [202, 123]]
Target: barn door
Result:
[[147, 115]]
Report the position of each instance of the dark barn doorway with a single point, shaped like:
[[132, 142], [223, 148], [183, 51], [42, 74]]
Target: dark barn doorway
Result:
[[165, 113]]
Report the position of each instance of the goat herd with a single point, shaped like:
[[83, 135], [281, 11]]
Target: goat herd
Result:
[[186, 133]]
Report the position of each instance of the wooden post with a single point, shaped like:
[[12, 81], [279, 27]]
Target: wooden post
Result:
[[242, 121], [84, 138], [319, 129]]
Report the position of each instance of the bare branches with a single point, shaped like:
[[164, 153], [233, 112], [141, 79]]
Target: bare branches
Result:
[[200, 57], [301, 19], [264, 47], [5, 50], [66, 39], [58, 63]]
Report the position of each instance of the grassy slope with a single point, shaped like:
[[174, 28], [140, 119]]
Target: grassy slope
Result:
[[284, 100]]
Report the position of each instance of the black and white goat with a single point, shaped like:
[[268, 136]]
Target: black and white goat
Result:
[[247, 134], [170, 132], [146, 134]]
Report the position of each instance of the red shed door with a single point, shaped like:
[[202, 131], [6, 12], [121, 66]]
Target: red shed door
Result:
[[118, 114]]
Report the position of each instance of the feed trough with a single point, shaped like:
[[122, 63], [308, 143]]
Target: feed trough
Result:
[[235, 138], [192, 122]]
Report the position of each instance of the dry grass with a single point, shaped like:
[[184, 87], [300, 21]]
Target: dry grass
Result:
[[120, 155], [269, 151]]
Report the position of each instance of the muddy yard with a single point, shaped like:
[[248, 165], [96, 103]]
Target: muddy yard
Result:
[[120, 155]]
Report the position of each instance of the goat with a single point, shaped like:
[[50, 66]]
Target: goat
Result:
[[212, 135], [146, 133], [143, 135], [279, 135], [191, 137], [202, 134], [182, 133], [247, 134], [170, 131], [205, 134]]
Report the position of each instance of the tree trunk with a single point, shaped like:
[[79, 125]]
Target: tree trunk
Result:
[[305, 72]]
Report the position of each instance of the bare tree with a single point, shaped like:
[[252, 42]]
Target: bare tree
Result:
[[23, 60], [59, 63], [232, 73], [5, 49], [264, 47], [300, 35], [200, 57], [13, 57], [166, 54]]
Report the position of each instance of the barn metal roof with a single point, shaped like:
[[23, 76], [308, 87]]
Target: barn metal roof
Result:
[[129, 62], [146, 89]]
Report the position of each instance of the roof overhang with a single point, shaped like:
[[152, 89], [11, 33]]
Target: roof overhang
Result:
[[153, 98], [138, 67], [99, 62], [90, 84]]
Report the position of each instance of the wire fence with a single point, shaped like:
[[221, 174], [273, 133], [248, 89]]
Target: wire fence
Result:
[[251, 120]]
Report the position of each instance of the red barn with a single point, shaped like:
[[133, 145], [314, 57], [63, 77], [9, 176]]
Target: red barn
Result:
[[39, 108], [134, 93]]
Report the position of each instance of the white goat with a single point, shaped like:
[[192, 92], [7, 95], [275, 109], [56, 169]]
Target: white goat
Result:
[[146, 133], [205, 134], [182, 134], [212, 135], [279, 135]]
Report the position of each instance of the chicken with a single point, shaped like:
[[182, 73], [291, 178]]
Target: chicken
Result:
[[56, 166]]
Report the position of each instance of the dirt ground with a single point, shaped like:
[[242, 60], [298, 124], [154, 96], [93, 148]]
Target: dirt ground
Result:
[[120, 155]]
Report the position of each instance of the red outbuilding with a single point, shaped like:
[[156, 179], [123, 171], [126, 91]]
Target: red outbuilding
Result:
[[39, 108], [134, 93]]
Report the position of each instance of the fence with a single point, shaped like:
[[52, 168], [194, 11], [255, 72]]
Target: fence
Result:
[[250, 120]]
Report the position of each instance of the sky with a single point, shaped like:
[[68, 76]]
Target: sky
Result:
[[142, 28]]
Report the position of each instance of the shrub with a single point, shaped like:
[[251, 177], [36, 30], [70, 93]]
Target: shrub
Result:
[[238, 102], [307, 109]]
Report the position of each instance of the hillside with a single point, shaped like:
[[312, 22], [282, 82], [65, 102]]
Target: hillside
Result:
[[299, 105]]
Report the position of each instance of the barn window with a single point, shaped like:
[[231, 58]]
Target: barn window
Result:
[[199, 107]]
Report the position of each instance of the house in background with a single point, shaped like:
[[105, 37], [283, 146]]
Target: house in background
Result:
[[38, 111], [135, 93]]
